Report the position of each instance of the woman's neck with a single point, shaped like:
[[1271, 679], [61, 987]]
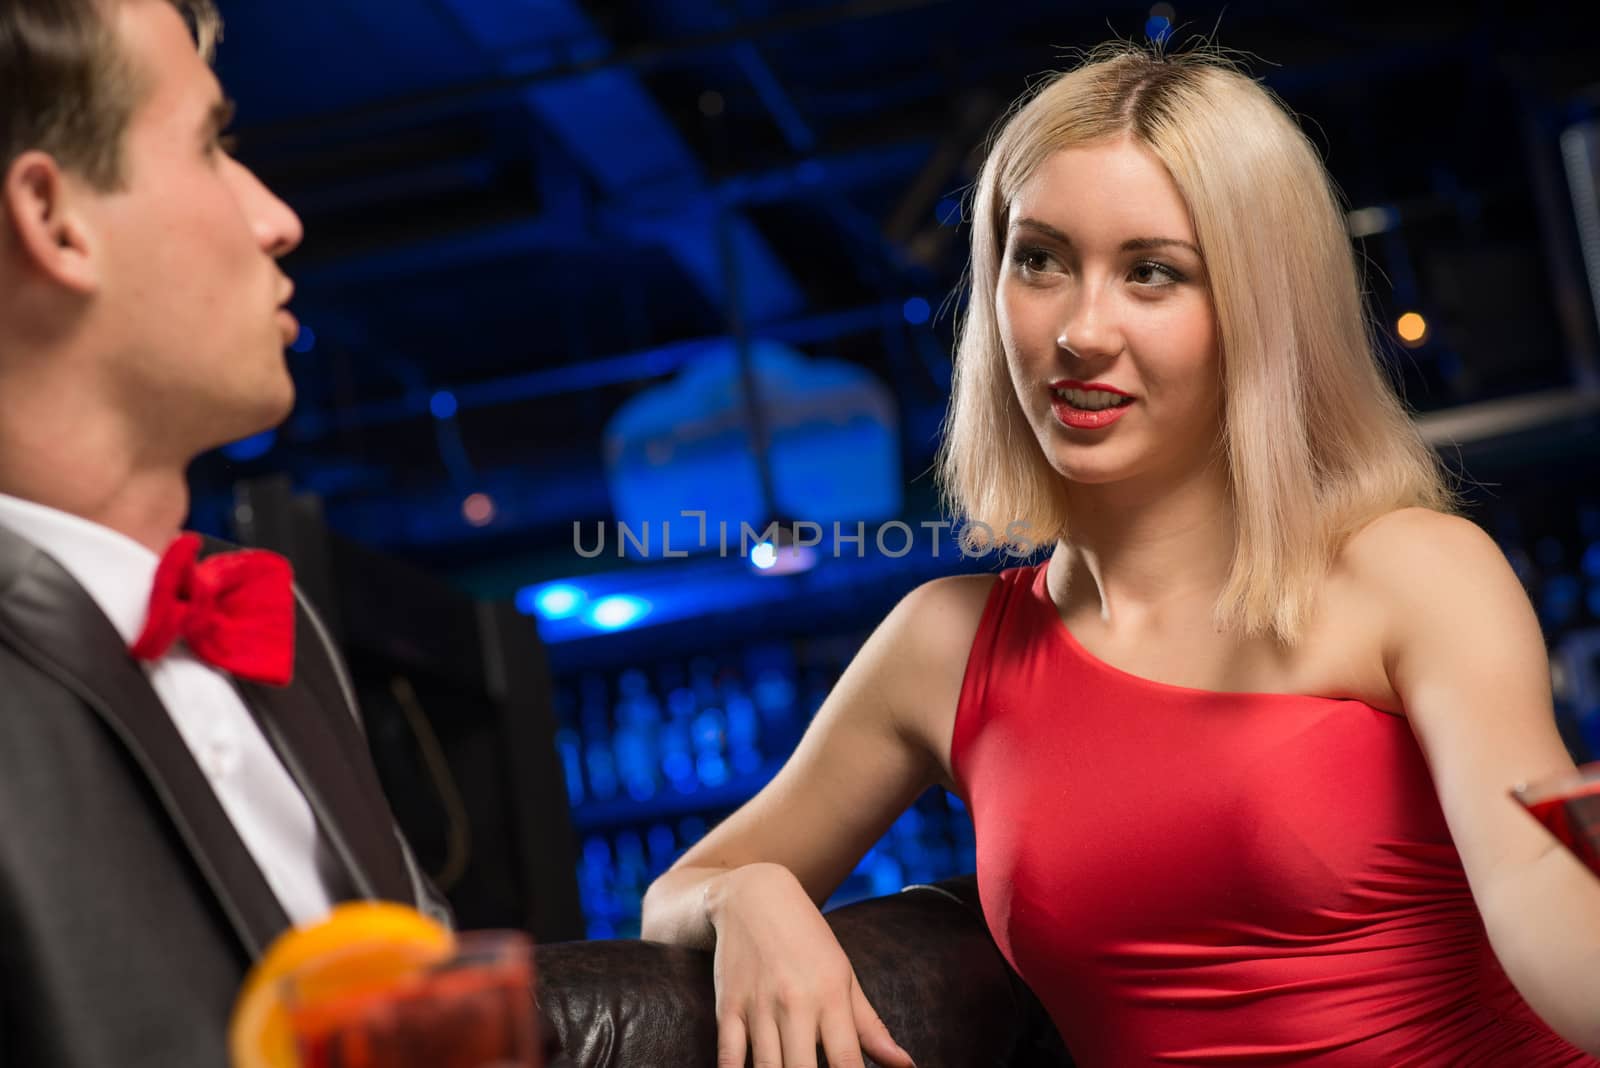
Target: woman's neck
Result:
[[1135, 552]]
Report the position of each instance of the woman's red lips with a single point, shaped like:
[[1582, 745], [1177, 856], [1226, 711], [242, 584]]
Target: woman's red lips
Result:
[[1072, 383], [1085, 418]]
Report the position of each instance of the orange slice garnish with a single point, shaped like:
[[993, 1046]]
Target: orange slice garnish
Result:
[[360, 945]]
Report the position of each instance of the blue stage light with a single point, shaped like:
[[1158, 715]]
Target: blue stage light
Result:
[[663, 848], [251, 448], [571, 751], [711, 769], [305, 340], [916, 311], [948, 211], [602, 771], [558, 600], [678, 767], [617, 612], [764, 555], [886, 875], [443, 404], [1158, 28]]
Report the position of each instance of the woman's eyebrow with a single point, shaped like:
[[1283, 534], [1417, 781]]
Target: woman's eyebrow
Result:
[[1133, 244]]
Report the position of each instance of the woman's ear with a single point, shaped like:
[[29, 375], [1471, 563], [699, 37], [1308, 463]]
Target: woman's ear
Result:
[[43, 210]]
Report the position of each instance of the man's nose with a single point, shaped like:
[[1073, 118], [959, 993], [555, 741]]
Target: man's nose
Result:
[[277, 228]]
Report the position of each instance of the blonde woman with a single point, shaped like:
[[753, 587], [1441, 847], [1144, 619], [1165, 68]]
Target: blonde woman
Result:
[[1238, 752]]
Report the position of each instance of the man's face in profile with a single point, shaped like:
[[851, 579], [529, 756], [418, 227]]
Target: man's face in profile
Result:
[[189, 247]]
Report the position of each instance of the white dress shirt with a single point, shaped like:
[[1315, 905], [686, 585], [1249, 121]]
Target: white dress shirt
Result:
[[259, 796]]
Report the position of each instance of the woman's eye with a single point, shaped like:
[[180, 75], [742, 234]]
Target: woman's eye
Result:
[[1155, 274], [1032, 260]]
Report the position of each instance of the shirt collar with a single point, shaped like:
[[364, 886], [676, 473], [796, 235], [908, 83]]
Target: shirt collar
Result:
[[116, 571]]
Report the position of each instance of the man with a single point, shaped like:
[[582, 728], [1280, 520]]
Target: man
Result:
[[163, 815]]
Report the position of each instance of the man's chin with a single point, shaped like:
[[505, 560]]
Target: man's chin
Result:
[[277, 401], [268, 414]]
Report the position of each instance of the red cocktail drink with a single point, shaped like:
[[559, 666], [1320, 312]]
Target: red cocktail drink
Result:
[[1569, 808]]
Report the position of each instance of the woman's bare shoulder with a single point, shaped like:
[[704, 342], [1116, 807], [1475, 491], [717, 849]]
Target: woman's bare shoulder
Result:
[[940, 617], [923, 657], [1395, 575], [1411, 548]]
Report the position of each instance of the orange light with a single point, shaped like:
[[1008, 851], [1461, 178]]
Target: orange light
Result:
[[478, 509], [1412, 328]]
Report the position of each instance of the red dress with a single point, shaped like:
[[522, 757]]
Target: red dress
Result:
[[1199, 878]]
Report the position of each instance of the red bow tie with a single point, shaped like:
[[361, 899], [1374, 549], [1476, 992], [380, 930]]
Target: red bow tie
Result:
[[234, 610]]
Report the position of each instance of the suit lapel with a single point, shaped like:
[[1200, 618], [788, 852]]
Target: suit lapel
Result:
[[317, 738], [355, 821], [49, 619]]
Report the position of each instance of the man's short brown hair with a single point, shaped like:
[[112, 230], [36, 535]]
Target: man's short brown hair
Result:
[[65, 86]]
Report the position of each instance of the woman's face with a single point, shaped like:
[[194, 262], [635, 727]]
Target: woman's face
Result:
[[1103, 300]]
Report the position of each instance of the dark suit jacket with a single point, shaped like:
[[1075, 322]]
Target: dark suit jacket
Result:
[[129, 907]]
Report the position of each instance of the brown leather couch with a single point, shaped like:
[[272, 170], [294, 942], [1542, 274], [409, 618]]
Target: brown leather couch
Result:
[[923, 956]]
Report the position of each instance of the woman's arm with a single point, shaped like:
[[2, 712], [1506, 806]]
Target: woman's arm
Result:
[[1464, 652], [752, 887], [869, 751]]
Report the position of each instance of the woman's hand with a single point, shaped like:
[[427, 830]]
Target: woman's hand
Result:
[[783, 984]]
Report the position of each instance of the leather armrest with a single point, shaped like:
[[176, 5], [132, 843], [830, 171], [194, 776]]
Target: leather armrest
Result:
[[923, 956]]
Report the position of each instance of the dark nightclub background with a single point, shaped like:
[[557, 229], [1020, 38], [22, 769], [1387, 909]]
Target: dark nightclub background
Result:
[[571, 265]]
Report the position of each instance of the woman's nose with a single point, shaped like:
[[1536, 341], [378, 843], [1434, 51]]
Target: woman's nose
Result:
[[1089, 331]]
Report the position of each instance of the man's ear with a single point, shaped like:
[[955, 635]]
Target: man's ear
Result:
[[43, 208]]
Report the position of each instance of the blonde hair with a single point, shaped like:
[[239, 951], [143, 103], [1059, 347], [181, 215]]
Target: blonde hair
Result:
[[1315, 441]]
